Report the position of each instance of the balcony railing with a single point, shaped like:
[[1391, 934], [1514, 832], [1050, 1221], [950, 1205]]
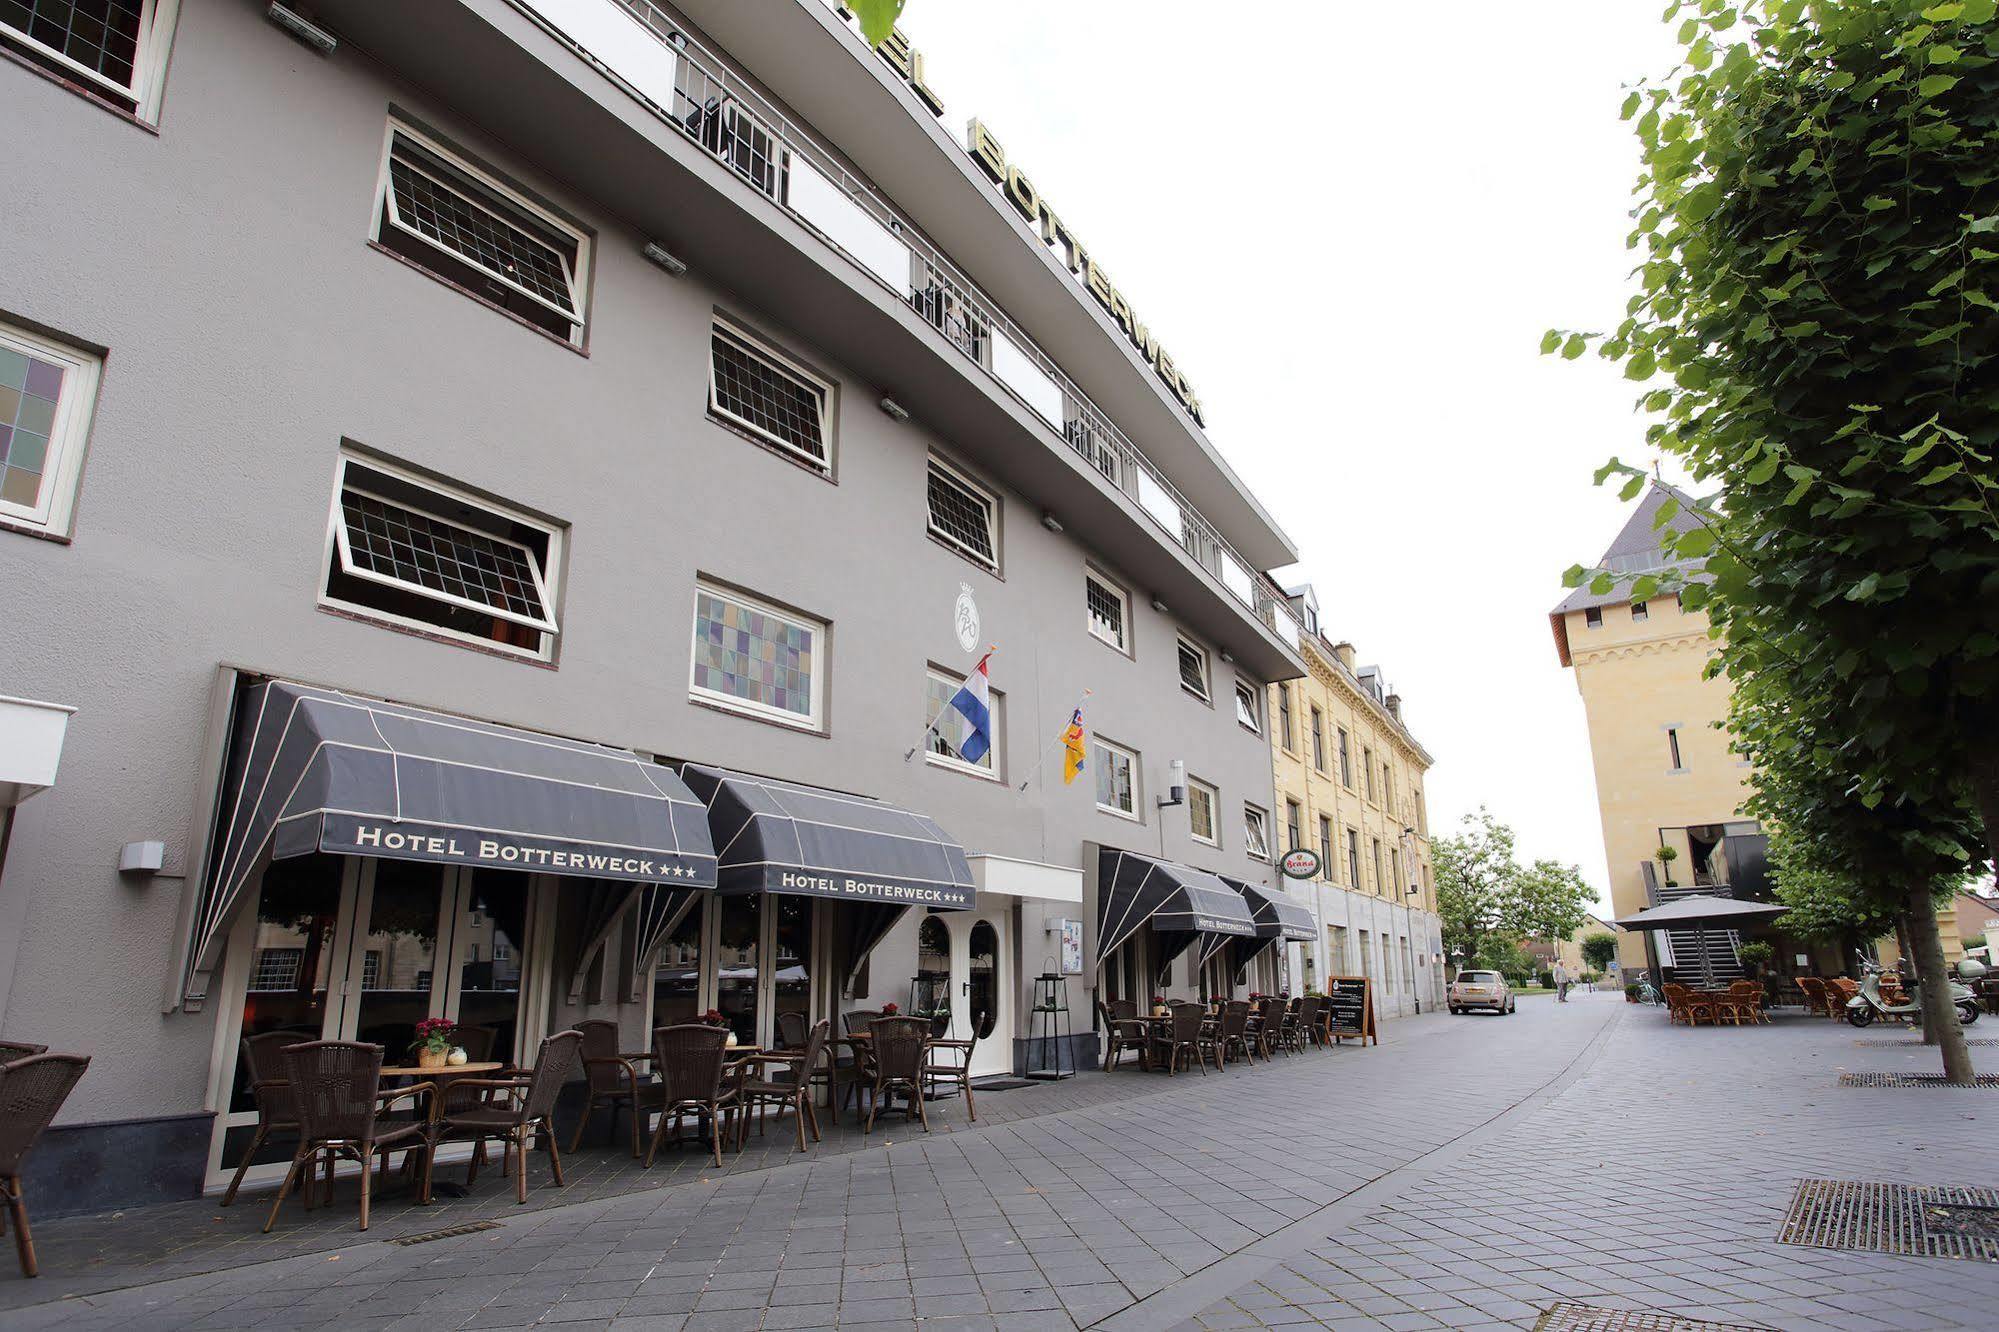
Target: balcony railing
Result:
[[695, 91]]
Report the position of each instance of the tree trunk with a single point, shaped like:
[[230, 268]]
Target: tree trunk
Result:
[[1983, 762], [1933, 975], [1905, 944]]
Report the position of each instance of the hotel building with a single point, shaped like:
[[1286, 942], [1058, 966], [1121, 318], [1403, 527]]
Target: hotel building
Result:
[[493, 492]]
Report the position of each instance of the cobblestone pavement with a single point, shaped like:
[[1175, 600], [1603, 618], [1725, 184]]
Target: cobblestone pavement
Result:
[[1461, 1175]]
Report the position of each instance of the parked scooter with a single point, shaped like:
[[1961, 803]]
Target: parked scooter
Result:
[[1863, 1008]]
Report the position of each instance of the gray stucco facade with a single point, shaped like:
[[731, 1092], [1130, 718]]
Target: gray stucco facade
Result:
[[220, 263]]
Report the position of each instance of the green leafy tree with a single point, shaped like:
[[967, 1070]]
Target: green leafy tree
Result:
[[877, 18], [1818, 229], [1599, 950], [1509, 959], [1825, 907], [1484, 892]]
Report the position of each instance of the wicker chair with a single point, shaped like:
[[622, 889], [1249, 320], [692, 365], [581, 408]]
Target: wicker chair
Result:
[[263, 1062], [32, 1089], [860, 1020], [1309, 1030], [612, 1080], [1182, 1036], [1124, 1030], [1292, 1033], [483, 1112], [956, 1067], [12, 1050], [1814, 991], [784, 1082], [793, 1030], [898, 1046], [336, 1090], [688, 1059], [1745, 999], [1235, 1031], [1839, 990], [1270, 1027]]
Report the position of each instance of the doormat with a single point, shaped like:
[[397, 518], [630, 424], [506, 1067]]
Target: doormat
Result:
[[1586, 1318], [1921, 1221], [449, 1232], [1986, 1080], [1001, 1082]]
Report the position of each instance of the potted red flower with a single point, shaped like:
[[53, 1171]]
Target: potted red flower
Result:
[[890, 1010], [433, 1042], [1159, 1005]]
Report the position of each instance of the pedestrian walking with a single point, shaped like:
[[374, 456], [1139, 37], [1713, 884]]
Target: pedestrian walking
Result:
[[1561, 983]]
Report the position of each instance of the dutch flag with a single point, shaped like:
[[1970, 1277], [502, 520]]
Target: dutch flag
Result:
[[973, 706]]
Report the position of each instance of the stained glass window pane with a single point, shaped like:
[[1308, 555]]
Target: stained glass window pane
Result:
[[30, 389], [754, 655]]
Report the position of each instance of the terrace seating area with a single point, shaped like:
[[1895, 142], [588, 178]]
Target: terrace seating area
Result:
[[1187, 1036], [1740, 1003]]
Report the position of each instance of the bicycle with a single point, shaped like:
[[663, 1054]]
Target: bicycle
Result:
[[1646, 994]]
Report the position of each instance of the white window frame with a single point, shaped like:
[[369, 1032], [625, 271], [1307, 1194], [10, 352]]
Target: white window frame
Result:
[[1182, 643], [1256, 831], [955, 476], [1130, 756], [1214, 837], [337, 549], [750, 707], [62, 465], [784, 365], [385, 207], [1115, 590], [990, 770], [156, 19], [738, 120], [1247, 714]]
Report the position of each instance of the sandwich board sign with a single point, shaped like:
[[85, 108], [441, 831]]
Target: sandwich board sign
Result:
[[1350, 1000]]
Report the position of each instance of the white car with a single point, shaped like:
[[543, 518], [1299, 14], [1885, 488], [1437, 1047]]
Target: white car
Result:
[[1481, 989]]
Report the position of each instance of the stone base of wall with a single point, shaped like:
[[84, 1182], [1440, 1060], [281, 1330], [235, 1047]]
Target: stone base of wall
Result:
[[123, 1163], [1077, 1052]]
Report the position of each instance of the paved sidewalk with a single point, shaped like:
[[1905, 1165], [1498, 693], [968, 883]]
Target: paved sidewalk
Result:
[[1467, 1173]]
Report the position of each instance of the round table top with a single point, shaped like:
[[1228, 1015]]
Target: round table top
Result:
[[448, 1070]]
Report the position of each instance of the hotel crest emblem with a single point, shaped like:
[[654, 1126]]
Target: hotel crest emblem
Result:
[[965, 618]]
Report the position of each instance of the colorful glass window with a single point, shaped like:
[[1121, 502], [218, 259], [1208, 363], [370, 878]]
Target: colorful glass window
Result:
[[752, 657]]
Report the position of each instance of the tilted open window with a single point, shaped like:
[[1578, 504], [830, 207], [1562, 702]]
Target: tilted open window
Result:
[[771, 396], [964, 515]]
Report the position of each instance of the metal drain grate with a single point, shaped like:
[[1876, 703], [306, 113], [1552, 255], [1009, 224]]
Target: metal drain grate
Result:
[[1916, 1043], [1584, 1318], [1920, 1221], [1914, 1080], [449, 1232]]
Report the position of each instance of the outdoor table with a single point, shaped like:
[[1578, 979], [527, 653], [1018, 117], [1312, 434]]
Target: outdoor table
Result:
[[435, 1112]]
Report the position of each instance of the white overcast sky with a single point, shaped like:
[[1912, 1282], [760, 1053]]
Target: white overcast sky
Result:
[[1351, 225]]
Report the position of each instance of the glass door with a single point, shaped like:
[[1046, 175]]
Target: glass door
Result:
[[738, 936], [391, 961], [489, 943]]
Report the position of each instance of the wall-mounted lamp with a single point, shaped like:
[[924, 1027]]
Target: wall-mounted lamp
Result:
[[1176, 784], [1228, 656], [1159, 605], [896, 411], [308, 34], [1050, 521], [142, 857], [659, 256]]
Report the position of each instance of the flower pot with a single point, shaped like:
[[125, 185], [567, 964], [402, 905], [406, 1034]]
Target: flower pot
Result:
[[432, 1058], [457, 1056]]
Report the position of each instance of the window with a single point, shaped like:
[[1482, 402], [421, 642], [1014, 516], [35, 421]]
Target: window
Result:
[[1353, 859], [1193, 670], [1387, 785], [423, 554], [502, 950], [455, 221], [1201, 802], [111, 46], [754, 658], [1284, 716], [941, 688], [1346, 759], [731, 132], [1245, 707], [1117, 779], [964, 515], [371, 969], [1367, 769], [277, 968], [1294, 837], [1256, 832], [1640, 611], [1395, 870], [773, 397], [1380, 881], [1593, 617], [1325, 847], [1673, 748], [46, 395], [1318, 739], [1109, 609]]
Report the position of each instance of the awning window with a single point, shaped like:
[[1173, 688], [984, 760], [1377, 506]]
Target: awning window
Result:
[[315, 769], [782, 837]]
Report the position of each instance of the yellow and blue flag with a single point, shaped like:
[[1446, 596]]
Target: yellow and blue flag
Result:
[[1072, 748]]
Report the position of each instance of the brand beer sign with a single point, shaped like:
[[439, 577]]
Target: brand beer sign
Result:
[[1300, 863]]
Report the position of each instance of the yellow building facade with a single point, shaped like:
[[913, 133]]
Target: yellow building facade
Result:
[[1350, 787]]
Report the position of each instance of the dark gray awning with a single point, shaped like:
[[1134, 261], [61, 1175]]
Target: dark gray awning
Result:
[[1134, 890], [320, 770], [1277, 916], [781, 837]]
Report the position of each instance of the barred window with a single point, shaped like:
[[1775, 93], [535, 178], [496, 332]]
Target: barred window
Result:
[[445, 215], [277, 968], [1193, 670], [104, 42], [963, 515], [1245, 707], [421, 553], [768, 395], [1107, 605], [1256, 832]]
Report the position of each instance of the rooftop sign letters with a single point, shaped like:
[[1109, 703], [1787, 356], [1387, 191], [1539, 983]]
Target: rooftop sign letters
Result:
[[1019, 191]]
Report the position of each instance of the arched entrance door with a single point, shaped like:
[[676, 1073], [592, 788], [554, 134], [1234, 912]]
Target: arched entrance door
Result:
[[981, 980]]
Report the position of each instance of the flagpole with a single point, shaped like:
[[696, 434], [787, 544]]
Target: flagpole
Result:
[[931, 725], [1042, 760]]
